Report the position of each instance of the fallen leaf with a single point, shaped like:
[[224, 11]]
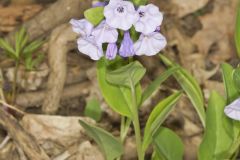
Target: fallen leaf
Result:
[[185, 7], [218, 28]]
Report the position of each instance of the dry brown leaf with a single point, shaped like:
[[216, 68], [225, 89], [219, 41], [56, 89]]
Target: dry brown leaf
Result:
[[87, 151], [62, 130], [211, 85], [184, 7], [13, 15], [217, 33]]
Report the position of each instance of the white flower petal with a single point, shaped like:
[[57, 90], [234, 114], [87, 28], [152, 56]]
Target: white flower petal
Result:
[[150, 17], [150, 44], [88, 46], [120, 14], [83, 26], [233, 110], [105, 34], [152, 9]]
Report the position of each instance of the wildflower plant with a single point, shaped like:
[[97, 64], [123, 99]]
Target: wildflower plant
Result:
[[22, 52], [221, 138], [112, 33]]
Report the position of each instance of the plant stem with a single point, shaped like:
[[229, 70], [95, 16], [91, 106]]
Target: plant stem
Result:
[[136, 124], [14, 88], [122, 130]]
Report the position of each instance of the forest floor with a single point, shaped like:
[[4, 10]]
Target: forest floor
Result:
[[200, 37]]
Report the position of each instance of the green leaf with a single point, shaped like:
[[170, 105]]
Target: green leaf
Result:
[[21, 39], [111, 92], [94, 15], [7, 47], [38, 59], [167, 145], [93, 110], [157, 82], [110, 146], [31, 63], [140, 2], [127, 75], [236, 78], [157, 117], [156, 156], [237, 31], [217, 138], [230, 89], [190, 86], [231, 92], [32, 47]]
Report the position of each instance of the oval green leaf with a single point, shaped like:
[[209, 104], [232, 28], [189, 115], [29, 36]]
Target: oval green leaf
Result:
[[157, 116], [217, 138], [94, 15], [190, 86], [127, 75], [236, 78], [93, 110], [112, 92], [231, 92], [110, 146], [237, 31], [167, 145], [140, 2], [230, 89]]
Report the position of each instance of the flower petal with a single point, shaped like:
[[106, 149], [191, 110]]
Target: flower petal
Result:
[[83, 26], [126, 48], [150, 44], [112, 50], [88, 46], [149, 19], [105, 34], [233, 110], [120, 14]]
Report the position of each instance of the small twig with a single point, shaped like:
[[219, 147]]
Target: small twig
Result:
[[5, 141], [12, 107], [36, 98], [1, 89], [67, 153], [14, 88], [21, 137], [22, 155]]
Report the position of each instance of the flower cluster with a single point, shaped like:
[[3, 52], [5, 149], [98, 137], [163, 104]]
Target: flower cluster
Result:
[[120, 17]]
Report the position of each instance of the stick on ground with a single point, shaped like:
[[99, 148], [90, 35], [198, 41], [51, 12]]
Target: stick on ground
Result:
[[24, 140]]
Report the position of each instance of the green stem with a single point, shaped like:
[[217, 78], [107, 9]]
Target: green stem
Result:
[[123, 130], [14, 88], [136, 124]]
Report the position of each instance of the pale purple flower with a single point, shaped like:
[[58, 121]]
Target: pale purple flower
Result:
[[150, 44], [233, 110], [120, 14], [112, 50], [82, 27], [88, 46], [149, 19], [105, 34], [126, 48]]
